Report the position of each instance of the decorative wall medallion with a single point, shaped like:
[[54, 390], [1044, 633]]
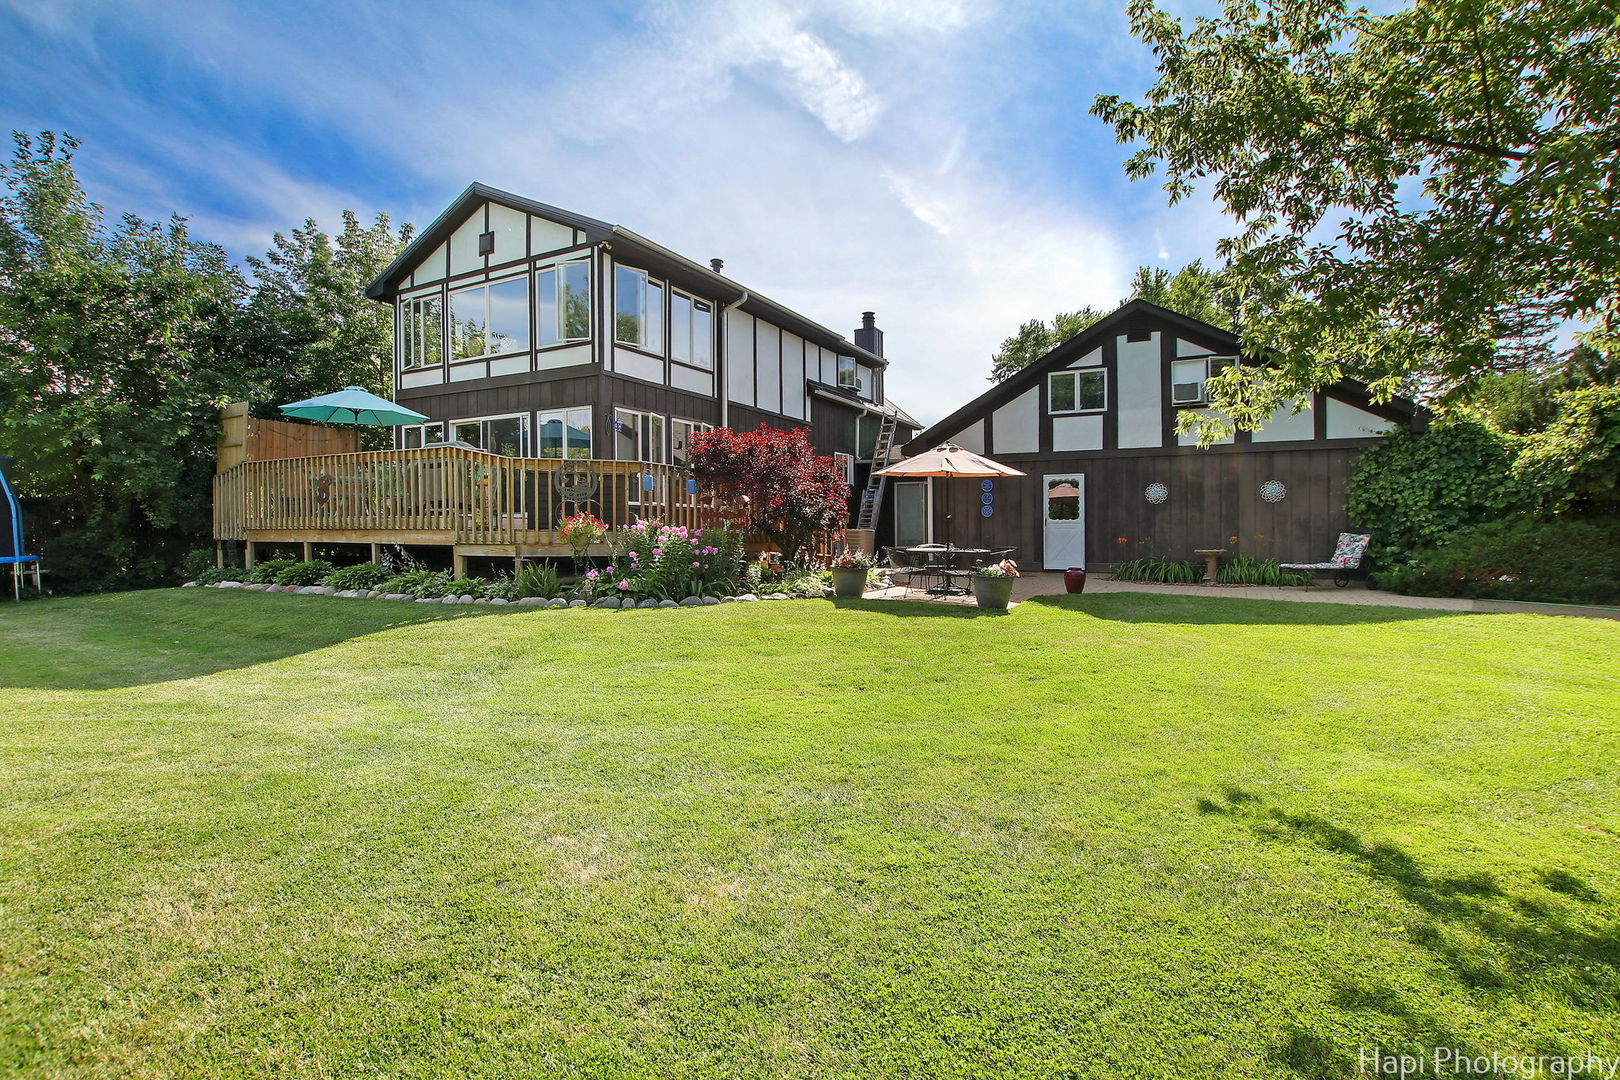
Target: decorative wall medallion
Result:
[[1273, 491], [1157, 493]]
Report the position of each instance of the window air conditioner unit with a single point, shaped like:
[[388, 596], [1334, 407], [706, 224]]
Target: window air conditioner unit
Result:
[[1186, 393]]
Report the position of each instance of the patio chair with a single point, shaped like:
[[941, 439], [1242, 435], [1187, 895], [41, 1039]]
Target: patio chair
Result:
[[1349, 554], [900, 571]]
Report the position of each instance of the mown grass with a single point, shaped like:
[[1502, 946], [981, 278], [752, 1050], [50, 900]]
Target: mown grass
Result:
[[1126, 835]]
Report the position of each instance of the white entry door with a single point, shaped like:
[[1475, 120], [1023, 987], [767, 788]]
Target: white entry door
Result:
[[1063, 512]]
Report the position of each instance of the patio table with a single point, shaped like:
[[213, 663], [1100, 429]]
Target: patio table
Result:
[[945, 562]]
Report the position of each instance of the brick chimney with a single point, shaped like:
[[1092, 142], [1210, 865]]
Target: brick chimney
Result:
[[869, 337]]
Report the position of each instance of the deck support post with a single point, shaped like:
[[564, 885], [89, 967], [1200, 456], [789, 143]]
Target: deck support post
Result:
[[219, 554], [309, 551], [459, 562], [517, 564], [376, 554], [250, 554]]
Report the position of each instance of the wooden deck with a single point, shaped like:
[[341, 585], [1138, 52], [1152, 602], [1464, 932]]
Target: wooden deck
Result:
[[473, 502]]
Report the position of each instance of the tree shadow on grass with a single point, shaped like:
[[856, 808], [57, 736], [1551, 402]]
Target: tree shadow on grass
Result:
[[136, 639], [1560, 937], [1211, 610]]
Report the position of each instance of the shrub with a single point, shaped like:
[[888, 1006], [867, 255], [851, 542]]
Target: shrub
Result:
[[538, 579], [502, 588], [198, 561], [1247, 570], [1163, 571], [1560, 561], [772, 482], [465, 586], [366, 575], [213, 575], [1414, 489], [305, 573], [421, 584], [265, 573], [1573, 465], [670, 562]]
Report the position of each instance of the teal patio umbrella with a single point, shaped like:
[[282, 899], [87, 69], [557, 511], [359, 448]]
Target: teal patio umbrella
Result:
[[353, 405]]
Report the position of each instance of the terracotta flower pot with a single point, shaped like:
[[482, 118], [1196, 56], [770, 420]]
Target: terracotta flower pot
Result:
[[849, 581], [994, 593], [1074, 579]]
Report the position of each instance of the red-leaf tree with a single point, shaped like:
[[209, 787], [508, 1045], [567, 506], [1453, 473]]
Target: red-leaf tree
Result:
[[773, 483]]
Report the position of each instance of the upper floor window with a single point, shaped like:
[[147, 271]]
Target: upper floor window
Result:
[[565, 433], [563, 301], [505, 435], [421, 331], [846, 372], [1187, 378], [489, 320], [1077, 391], [638, 310], [691, 331]]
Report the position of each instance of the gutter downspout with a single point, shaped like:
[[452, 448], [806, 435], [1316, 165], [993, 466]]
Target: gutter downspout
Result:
[[723, 377]]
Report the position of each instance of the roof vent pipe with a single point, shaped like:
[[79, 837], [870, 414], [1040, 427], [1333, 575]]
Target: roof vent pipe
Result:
[[717, 265]]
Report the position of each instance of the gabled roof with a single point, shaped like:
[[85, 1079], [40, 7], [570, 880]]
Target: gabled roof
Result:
[[643, 252], [1121, 318]]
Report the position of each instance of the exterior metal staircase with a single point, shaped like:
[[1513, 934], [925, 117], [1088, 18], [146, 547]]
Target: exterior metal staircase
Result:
[[872, 497]]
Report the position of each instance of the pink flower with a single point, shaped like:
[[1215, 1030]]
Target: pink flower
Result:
[[696, 563], [658, 552], [591, 574], [624, 584], [633, 555]]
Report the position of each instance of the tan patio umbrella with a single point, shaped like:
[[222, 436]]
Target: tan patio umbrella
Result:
[[950, 461]]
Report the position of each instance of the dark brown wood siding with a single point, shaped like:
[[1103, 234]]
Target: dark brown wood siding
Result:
[[500, 396], [1214, 501], [668, 402]]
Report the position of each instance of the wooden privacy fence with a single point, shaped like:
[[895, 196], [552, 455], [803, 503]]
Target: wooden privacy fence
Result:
[[446, 495]]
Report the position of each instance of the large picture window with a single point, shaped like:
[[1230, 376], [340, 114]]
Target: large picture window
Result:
[[563, 300], [417, 436], [421, 331], [504, 435], [691, 331], [489, 320], [638, 310], [565, 433], [1077, 391]]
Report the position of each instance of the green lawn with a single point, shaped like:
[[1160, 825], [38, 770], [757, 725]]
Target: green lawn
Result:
[[1155, 836]]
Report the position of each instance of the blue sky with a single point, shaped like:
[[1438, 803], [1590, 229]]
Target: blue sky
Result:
[[933, 160]]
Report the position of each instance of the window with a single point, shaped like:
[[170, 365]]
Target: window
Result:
[[421, 331], [504, 435], [1077, 391], [847, 463], [846, 371], [563, 301], [680, 433], [638, 310], [419, 435], [691, 331], [637, 436], [565, 433], [1187, 378], [489, 320]]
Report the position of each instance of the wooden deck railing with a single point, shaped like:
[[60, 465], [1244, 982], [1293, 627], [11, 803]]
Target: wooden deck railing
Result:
[[446, 494]]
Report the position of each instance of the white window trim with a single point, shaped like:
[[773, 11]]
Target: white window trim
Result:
[[405, 302], [839, 369], [648, 282], [528, 428], [1203, 381], [449, 308], [691, 330], [556, 267], [440, 424], [1076, 374], [534, 436], [848, 462], [640, 414], [691, 426]]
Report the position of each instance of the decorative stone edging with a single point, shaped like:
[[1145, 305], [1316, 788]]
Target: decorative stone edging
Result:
[[609, 602]]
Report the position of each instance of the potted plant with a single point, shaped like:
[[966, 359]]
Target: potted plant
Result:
[[992, 584], [849, 573]]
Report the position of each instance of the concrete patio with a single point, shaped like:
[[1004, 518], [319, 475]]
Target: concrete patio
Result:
[[1045, 583]]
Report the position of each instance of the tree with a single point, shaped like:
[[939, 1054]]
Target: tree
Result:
[[115, 355], [773, 483], [1468, 148], [1192, 290], [309, 328]]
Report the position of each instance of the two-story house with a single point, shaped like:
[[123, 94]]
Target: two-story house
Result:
[[1093, 423], [530, 331]]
